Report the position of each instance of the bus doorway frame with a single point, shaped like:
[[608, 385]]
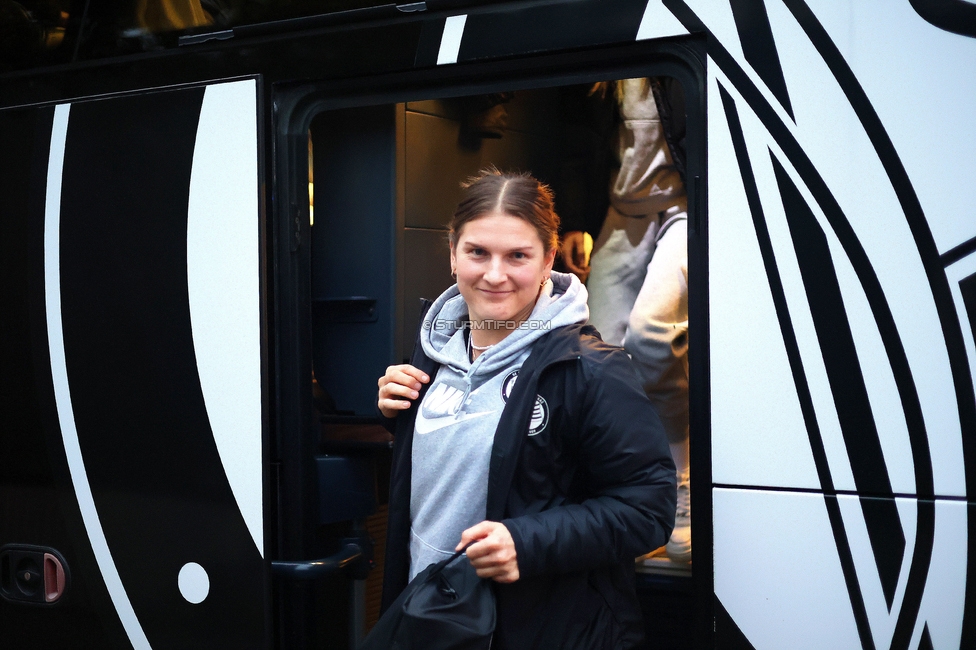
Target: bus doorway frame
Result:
[[295, 104]]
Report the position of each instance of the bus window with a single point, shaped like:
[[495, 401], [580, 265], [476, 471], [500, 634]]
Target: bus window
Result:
[[32, 32], [36, 33]]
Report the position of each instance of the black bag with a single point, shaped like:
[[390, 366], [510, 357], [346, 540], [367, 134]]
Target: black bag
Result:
[[445, 607]]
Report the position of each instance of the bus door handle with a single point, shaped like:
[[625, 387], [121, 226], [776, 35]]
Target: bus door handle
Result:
[[353, 558]]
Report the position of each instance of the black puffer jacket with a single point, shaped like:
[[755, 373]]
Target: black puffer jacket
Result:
[[582, 498]]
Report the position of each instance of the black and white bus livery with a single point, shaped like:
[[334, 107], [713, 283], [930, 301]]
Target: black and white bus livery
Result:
[[189, 450]]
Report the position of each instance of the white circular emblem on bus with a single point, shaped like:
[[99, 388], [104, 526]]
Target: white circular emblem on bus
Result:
[[540, 415], [194, 583]]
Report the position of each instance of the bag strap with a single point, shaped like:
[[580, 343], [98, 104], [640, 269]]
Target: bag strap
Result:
[[450, 560]]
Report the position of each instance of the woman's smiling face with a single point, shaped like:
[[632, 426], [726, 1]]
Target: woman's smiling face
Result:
[[500, 264]]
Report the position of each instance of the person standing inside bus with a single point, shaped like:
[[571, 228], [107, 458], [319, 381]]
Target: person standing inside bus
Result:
[[638, 275], [518, 429]]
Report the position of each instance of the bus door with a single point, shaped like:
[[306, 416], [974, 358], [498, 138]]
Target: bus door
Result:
[[132, 469]]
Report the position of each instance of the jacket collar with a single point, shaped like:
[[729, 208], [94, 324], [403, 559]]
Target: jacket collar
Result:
[[562, 344]]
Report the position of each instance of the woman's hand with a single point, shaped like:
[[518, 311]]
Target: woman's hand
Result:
[[493, 555], [398, 387]]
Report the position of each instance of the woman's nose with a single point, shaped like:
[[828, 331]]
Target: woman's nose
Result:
[[495, 273]]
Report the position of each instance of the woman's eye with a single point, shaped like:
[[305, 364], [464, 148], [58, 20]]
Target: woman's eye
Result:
[[477, 252], [519, 255]]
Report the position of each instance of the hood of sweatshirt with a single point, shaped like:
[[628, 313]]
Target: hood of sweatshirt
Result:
[[561, 302]]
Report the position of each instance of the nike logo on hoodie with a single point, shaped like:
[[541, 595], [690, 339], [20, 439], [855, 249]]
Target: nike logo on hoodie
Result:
[[427, 425], [441, 409]]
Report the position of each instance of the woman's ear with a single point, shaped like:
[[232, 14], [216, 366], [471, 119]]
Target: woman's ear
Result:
[[550, 259], [453, 262]]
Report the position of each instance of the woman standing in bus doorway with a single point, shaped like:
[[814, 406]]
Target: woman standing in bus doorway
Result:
[[518, 429]]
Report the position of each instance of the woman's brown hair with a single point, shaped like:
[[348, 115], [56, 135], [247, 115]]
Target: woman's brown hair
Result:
[[515, 194]]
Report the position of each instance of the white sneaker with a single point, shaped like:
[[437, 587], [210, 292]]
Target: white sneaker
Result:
[[679, 546]]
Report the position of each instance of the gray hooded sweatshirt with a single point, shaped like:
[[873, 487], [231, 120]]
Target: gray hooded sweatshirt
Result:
[[648, 182], [456, 421]]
